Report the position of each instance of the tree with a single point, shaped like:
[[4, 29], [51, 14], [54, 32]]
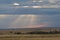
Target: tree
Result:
[[17, 33]]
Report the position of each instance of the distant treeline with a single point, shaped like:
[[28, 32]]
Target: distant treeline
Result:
[[41, 32], [37, 32]]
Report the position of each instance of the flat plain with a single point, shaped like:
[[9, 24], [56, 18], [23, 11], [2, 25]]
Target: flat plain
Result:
[[31, 37], [10, 34]]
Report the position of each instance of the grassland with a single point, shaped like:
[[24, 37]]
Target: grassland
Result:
[[13, 34], [31, 37]]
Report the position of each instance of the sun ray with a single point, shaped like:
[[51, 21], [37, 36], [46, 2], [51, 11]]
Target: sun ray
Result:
[[27, 21], [19, 19], [32, 20]]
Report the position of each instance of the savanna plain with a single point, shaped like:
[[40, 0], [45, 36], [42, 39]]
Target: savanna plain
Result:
[[31, 37]]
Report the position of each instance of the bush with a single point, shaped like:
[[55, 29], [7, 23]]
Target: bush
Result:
[[37, 32], [17, 33]]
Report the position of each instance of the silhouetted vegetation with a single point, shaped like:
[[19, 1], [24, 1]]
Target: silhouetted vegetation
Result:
[[38, 32], [17, 33], [11, 32], [42, 32]]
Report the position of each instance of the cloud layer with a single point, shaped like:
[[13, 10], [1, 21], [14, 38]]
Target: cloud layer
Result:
[[26, 6], [29, 13]]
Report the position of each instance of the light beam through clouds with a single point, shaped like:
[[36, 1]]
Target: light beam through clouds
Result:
[[19, 18], [27, 21]]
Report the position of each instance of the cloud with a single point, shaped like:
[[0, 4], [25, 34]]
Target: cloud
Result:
[[3, 16], [52, 1], [16, 4], [27, 6], [29, 14], [31, 4]]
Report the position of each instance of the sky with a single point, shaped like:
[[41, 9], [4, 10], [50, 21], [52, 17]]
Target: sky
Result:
[[29, 13]]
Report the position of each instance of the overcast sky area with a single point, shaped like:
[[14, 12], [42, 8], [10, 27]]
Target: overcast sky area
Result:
[[29, 13]]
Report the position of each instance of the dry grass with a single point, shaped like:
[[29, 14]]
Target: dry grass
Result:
[[6, 35], [31, 37]]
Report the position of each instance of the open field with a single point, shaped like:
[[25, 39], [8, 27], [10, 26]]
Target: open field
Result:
[[14, 34], [31, 37], [25, 30]]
